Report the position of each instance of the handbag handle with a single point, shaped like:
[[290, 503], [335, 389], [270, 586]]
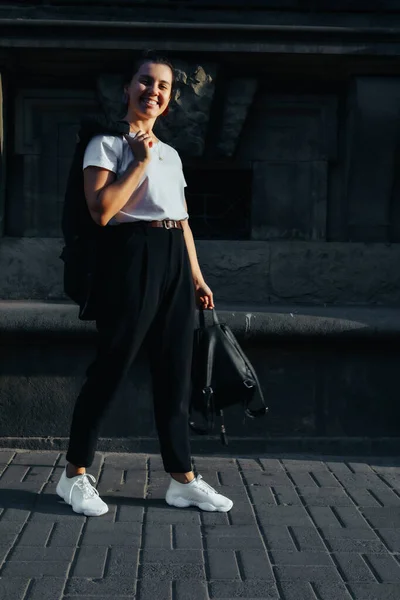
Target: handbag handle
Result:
[[202, 318]]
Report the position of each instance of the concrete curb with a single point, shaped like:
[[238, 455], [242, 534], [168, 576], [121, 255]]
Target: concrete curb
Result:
[[254, 323]]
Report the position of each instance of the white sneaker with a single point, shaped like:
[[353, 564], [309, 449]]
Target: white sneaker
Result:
[[196, 493], [81, 495]]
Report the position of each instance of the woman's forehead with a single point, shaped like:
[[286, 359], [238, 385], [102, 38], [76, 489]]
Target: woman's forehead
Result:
[[157, 71]]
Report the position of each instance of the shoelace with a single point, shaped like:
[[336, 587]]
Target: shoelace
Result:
[[204, 486], [84, 484]]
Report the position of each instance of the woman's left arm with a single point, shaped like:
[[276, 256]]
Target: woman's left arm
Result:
[[204, 295]]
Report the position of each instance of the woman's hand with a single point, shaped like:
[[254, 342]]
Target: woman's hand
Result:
[[204, 295], [140, 146]]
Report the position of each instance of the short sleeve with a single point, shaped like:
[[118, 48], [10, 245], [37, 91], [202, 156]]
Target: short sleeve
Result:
[[103, 151], [181, 166]]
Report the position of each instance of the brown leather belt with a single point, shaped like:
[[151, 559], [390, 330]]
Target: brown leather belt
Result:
[[167, 224]]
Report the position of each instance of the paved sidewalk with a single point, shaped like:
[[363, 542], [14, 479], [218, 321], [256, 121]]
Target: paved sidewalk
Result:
[[302, 528]]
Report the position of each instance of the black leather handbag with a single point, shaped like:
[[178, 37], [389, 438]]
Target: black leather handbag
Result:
[[222, 376]]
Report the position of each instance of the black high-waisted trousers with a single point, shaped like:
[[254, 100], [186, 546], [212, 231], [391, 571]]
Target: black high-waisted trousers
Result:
[[145, 295]]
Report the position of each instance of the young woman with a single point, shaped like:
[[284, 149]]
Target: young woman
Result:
[[149, 277]]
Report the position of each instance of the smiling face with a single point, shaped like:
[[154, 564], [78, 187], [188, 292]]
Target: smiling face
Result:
[[150, 90]]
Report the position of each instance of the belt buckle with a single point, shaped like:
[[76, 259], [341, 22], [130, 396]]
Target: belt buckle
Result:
[[168, 224]]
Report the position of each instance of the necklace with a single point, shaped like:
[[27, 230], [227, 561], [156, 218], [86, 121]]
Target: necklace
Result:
[[160, 156]]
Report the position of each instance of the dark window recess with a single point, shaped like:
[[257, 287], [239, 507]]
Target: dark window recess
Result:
[[219, 202]]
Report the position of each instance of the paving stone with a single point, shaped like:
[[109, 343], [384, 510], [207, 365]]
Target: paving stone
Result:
[[307, 573], [264, 496], [284, 515], [15, 515], [222, 564], [386, 567], [66, 533], [38, 553], [35, 568], [268, 464], [305, 591], [229, 477], [296, 590], [255, 565], [352, 540], [278, 538], [36, 458], [285, 496], [90, 562], [246, 589], [361, 480], [354, 568], [350, 516], [325, 479], [172, 556], [252, 464], [4, 550], [235, 538], [186, 537], [329, 591], [376, 591], [172, 515], [253, 478], [35, 534], [387, 497], [324, 496], [301, 558], [48, 588], [303, 479], [307, 539], [219, 518], [12, 476], [382, 517], [391, 538], [323, 516], [127, 513], [13, 588], [149, 589], [110, 586], [99, 533], [128, 461], [301, 465], [236, 517], [122, 562], [80, 597], [190, 590], [6, 456], [159, 536], [363, 498], [171, 571]]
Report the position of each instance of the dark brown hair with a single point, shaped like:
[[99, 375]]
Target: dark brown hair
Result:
[[149, 56]]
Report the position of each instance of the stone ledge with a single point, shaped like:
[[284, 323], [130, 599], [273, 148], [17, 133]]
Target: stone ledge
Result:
[[254, 323]]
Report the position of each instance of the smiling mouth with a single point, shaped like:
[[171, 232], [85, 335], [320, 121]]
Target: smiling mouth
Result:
[[149, 102]]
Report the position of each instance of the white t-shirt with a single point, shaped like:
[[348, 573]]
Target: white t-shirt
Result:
[[160, 193]]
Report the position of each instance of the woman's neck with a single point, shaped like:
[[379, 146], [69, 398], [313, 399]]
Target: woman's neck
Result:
[[136, 124]]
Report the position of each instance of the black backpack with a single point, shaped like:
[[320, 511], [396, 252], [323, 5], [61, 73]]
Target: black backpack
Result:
[[222, 376], [78, 228]]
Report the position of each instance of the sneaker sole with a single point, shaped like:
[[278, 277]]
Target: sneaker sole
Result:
[[183, 503], [80, 512]]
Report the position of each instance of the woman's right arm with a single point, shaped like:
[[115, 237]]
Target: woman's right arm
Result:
[[105, 195]]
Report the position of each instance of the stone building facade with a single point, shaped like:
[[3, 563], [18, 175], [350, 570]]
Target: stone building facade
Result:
[[286, 117], [287, 120]]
